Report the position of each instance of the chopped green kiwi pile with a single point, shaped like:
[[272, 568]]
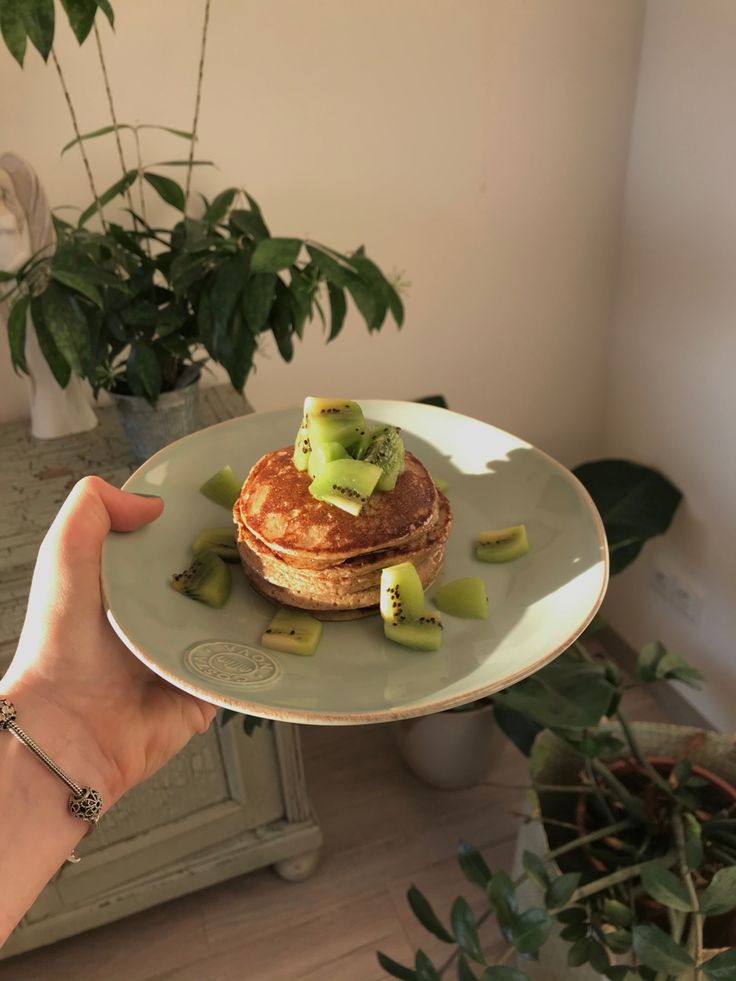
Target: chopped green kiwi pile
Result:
[[346, 460], [405, 619], [292, 632], [464, 598]]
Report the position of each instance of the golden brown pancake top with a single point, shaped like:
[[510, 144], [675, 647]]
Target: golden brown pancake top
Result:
[[276, 506]]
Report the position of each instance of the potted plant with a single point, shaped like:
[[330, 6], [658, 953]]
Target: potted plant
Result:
[[137, 309], [634, 869]]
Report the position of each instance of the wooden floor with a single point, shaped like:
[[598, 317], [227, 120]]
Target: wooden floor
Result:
[[383, 830]]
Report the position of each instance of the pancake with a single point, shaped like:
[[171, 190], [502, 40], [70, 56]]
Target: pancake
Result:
[[311, 555], [276, 507]]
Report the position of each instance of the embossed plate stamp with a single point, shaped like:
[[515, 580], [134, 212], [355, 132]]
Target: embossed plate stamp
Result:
[[233, 664]]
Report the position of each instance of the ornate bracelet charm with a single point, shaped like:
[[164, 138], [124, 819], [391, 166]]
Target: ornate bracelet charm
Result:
[[84, 802]]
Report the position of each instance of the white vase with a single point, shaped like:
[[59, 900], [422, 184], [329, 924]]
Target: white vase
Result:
[[450, 750]]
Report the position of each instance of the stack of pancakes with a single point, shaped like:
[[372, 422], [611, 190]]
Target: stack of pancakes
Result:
[[311, 555]]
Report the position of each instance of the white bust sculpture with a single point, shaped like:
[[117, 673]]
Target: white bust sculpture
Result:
[[26, 228]]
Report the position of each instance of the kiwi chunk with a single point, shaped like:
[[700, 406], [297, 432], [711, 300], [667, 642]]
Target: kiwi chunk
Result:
[[422, 634], [383, 446], [221, 541], [503, 545], [207, 579], [302, 446], [402, 593], [222, 487], [463, 598], [346, 483], [333, 421], [292, 632], [322, 454]]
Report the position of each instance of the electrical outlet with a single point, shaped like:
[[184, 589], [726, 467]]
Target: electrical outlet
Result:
[[682, 596]]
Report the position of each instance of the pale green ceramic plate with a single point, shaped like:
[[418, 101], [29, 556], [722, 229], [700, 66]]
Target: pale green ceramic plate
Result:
[[538, 604]]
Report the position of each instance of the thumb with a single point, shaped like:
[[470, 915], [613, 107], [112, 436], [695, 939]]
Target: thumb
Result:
[[92, 509]]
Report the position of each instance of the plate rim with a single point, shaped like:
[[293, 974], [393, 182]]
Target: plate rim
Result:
[[389, 714]]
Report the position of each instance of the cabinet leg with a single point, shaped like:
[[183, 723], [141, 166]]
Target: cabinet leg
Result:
[[298, 867]]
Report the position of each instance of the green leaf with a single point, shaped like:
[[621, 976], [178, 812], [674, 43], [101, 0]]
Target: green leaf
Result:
[[536, 870], [531, 929], [635, 502], [81, 16], [338, 309], [693, 841], [182, 163], [38, 17], [722, 967], [78, 283], [577, 955], [619, 941], [502, 973], [564, 693], [598, 956], [227, 287], [239, 358], [518, 727], [107, 10], [656, 663], [617, 913], [219, 207], [374, 278], [560, 891], [720, 896], [249, 223], [275, 254], [335, 272], [502, 897], [17, 322], [657, 950], [473, 865], [664, 886], [573, 914], [395, 969], [370, 308], [119, 187], [59, 366], [574, 931], [67, 325], [426, 915], [13, 29], [167, 189], [258, 298], [280, 321], [103, 131], [426, 971], [143, 371], [465, 929], [464, 970]]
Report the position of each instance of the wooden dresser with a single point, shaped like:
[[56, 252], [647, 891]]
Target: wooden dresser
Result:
[[227, 804]]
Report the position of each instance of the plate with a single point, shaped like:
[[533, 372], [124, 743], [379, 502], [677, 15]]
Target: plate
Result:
[[539, 603]]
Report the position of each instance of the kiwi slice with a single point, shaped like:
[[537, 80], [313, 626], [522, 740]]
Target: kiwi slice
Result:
[[223, 488], [292, 632], [402, 593], [422, 634], [207, 579], [346, 483], [322, 454], [302, 446], [333, 421], [384, 447], [503, 545], [221, 541], [463, 598]]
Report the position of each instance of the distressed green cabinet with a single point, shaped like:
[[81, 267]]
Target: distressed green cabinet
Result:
[[227, 804]]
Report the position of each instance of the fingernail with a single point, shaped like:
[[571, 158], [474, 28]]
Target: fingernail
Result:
[[155, 497]]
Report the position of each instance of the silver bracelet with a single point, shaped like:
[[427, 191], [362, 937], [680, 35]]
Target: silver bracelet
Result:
[[84, 802]]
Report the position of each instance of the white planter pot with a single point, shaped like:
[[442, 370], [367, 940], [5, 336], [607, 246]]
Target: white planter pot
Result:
[[450, 750]]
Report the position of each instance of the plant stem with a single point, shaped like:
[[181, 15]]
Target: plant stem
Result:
[[616, 878], [140, 178], [200, 76], [78, 135], [616, 786], [113, 115], [641, 758], [695, 937]]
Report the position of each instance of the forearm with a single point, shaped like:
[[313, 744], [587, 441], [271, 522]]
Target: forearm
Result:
[[37, 832]]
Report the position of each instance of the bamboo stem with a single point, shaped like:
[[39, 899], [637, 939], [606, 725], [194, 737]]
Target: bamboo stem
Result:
[[200, 76], [78, 135], [113, 115]]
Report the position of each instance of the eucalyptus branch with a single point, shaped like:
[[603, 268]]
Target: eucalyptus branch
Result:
[[200, 76], [113, 116], [78, 135], [695, 936]]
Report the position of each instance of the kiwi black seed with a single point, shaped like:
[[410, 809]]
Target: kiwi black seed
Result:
[[207, 580]]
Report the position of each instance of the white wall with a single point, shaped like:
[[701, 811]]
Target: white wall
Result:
[[672, 394], [479, 147]]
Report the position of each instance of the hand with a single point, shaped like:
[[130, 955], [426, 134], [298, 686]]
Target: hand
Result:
[[99, 713]]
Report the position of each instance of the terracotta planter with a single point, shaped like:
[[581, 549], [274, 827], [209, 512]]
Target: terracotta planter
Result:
[[150, 429], [450, 750]]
